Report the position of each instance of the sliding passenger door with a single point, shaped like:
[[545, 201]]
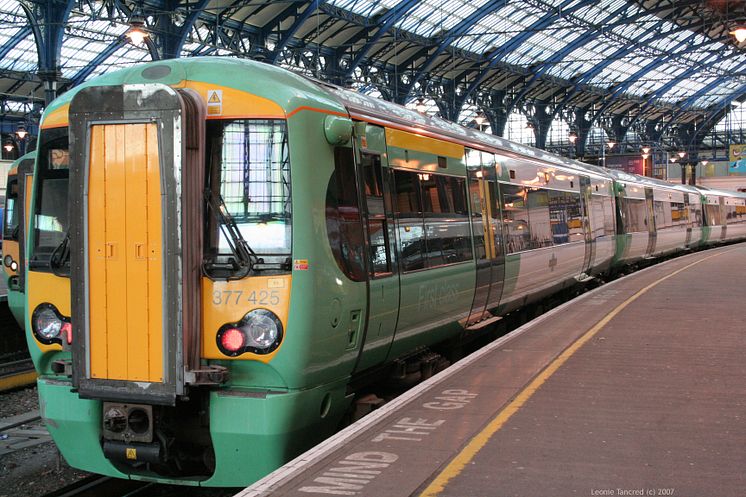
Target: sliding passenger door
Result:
[[375, 182], [487, 232]]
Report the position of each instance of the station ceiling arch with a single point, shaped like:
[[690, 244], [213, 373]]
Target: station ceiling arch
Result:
[[666, 68]]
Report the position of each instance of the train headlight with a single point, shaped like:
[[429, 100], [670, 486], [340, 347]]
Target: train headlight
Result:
[[7, 260], [49, 326], [14, 266], [260, 332]]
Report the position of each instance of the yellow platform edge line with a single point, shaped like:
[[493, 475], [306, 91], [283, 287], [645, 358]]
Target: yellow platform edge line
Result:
[[476, 444], [17, 380]]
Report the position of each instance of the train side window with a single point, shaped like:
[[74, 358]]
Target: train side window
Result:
[[661, 219], [635, 214], [695, 214], [712, 212], [515, 217], [379, 247], [539, 216], [447, 233], [12, 211], [602, 211], [408, 205], [343, 222]]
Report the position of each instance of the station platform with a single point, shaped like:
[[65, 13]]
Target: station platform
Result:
[[635, 388]]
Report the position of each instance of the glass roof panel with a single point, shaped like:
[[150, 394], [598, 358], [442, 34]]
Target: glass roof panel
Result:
[[126, 56], [23, 56], [655, 79], [541, 46], [85, 38], [582, 59], [365, 8], [720, 93], [497, 28], [433, 16]]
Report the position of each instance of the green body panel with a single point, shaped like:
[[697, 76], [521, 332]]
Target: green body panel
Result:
[[17, 304], [622, 246], [706, 235], [253, 436], [75, 426]]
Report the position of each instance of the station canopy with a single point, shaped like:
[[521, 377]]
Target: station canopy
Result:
[[643, 59]]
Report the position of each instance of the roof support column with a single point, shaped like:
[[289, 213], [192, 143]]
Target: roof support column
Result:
[[47, 21]]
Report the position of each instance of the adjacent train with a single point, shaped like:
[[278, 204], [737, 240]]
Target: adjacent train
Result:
[[17, 195], [220, 249]]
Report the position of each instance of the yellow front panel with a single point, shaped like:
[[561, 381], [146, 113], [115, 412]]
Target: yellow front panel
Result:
[[47, 287], [10, 248], [125, 269], [229, 301]]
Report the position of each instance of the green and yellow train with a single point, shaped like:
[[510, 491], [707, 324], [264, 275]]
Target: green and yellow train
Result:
[[219, 250], [17, 196]]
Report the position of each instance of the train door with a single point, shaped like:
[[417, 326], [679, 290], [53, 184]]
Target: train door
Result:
[[375, 182], [688, 222], [136, 304], [652, 237], [487, 235], [590, 242]]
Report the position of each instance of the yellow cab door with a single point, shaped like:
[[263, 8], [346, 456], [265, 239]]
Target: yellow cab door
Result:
[[125, 264]]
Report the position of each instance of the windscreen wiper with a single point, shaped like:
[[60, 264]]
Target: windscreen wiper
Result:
[[60, 256], [245, 257]]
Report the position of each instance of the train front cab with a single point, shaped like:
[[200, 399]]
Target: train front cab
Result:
[[17, 196], [165, 347]]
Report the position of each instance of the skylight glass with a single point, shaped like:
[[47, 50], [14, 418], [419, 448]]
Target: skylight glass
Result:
[[434, 16], [126, 56], [495, 29], [365, 8], [22, 54]]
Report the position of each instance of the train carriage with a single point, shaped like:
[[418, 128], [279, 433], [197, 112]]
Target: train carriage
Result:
[[221, 251]]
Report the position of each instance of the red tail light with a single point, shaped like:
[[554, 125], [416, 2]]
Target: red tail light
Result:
[[67, 332], [232, 340]]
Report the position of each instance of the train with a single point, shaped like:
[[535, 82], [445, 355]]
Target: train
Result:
[[221, 253], [15, 219]]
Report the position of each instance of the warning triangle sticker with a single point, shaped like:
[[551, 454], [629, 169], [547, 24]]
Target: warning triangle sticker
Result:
[[214, 98]]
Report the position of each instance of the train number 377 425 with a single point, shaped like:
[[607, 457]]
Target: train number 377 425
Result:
[[255, 297]]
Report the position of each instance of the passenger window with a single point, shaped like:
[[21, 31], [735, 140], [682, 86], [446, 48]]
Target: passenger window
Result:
[[433, 218], [515, 217], [412, 248], [539, 217], [343, 221], [635, 214]]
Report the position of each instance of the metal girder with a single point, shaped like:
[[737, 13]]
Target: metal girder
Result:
[[288, 34], [189, 22], [386, 21]]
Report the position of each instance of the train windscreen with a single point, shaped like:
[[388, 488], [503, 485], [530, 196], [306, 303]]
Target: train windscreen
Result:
[[248, 176], [51, 217]]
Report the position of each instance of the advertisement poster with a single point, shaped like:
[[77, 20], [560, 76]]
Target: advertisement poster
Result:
[[737, 159]]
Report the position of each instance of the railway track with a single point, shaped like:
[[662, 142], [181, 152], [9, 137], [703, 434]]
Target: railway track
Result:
[[97, 486]]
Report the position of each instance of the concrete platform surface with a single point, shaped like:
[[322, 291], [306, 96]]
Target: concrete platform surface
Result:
[[635, 388]]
